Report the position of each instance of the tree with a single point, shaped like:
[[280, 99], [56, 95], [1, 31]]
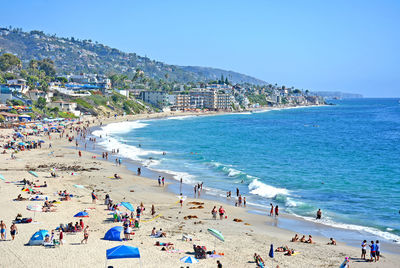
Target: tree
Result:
[[297, 91], [2, 119], [226, 81], [47, 65], [9, 62], [41, 103]]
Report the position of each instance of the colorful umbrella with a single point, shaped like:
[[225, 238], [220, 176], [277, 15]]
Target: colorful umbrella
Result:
[[82, 214], [189, 259]]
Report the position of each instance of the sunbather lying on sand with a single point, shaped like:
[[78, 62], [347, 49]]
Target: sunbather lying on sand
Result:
[[282, 249], [20, 198], [290, 252], [259, 261]]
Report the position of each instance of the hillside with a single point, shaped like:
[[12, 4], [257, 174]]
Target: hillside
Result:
[[76, 56]]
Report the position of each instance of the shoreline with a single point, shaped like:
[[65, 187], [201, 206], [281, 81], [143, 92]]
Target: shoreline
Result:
[[242, 240], [291, 222]]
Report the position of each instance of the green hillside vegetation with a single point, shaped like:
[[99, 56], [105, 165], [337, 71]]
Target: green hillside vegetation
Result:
[[71, 55]]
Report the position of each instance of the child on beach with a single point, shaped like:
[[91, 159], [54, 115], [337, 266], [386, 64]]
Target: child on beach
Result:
[[363, 249], [378, 249]]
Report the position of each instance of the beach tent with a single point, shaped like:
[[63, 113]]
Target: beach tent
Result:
[[122, 252], [38, 238], [189, 259], [82, 214], [114, 234], [127, 205]]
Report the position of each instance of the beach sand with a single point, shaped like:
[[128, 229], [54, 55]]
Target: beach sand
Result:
[[242, 239]]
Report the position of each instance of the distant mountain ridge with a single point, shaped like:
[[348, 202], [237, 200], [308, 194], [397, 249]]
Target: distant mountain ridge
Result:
[[71, 55]]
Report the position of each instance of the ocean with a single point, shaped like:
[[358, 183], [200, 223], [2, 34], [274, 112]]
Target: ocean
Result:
[[343, 159]]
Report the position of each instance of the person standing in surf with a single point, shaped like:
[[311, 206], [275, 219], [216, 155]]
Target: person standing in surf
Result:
[[271, 212], [276, 211], [319, 214]]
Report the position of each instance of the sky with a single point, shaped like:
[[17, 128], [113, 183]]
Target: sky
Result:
[[349, 46]]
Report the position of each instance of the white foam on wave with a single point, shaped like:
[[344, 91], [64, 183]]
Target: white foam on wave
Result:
[[177, 175], [182, 117], [109, 142], [326, 221], [258, 188]]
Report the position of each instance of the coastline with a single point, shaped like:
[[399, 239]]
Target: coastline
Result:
[[347, 233], [241, 240]]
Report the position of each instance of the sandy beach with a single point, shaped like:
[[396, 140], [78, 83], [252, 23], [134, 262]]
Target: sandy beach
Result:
[[251, 234]]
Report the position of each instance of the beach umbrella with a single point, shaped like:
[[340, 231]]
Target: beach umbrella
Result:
[[217, 235], [82, 214], [114, 234], [271, 254], [127, 205], [27, 190], [33, 173], [21, 143], [189, 259], [34, 208], [41, 141], [2, 177], [79, 186]]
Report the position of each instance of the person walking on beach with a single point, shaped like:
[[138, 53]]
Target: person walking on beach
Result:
[[237, 192], [159, 180], [85, 235], [180, 185], [221, 212], [195, 189], [162, 180], [80, 153], [319, 214], [239, 201], [276, 211], [219, 264], [3, 230], [363, 249], [378, 250], [13, 230], [271, 212], [94, 197], [373, 251], [153, 210], [61, 237], [214, 213], [139, 171], [244, 201]]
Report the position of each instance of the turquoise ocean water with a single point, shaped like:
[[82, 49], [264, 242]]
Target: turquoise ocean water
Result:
[[344, 159]]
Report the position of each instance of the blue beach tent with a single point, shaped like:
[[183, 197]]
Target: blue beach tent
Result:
[[38, 238], [114, 234], [122, 252], [82, 214]]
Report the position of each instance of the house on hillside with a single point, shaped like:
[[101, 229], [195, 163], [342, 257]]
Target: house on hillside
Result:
[[34, 95], [9, 117], [65, 106], [18, 85], [5, 94]]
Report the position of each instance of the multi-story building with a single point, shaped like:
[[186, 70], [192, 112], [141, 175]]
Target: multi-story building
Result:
[[156, 98], [182, 102], [224, 101], [204, 99]]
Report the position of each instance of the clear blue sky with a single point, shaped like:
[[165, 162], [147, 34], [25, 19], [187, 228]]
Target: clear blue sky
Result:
[[352, 46]]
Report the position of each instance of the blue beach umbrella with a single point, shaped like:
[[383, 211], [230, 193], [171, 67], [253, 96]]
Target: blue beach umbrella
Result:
[[127, 205], [82, 214], [122, 252], [271, 254], [189, 259]]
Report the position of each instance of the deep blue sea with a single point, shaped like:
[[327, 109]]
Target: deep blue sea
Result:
[[344, 159]]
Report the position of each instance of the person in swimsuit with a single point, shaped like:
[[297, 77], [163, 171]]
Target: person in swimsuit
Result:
[[3, 230], [13, 230], [276, 211], [271, 212], [319, 214], [85, 235]]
